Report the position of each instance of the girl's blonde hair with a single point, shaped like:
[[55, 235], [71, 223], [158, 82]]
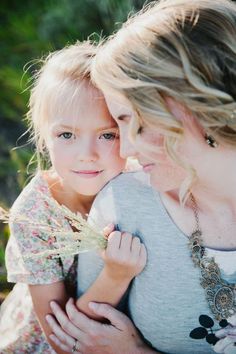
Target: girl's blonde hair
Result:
[[56, 86], [184, 49]]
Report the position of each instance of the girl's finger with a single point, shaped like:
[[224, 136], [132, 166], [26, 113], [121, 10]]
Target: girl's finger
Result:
[[114, 241], [143, 255], [126, 242], [135, 246], [108, 229]]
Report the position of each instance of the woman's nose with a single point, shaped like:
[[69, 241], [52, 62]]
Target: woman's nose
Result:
[[127, 149]]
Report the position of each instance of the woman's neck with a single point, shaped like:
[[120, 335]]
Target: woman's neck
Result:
[[215, 186], [217, 217]]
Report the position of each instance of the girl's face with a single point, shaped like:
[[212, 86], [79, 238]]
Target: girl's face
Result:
[[84, 143], [165, 174]]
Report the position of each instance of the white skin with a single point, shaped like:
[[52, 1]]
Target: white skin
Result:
[[84, 151], [215, 193]]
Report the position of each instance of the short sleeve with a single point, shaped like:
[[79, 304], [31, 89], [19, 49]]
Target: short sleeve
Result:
[[21, 264], [32, 236]]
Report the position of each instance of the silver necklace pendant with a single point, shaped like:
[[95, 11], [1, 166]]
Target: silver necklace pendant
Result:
[[220, 295]]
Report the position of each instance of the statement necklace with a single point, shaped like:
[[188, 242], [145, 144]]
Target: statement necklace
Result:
[[220, 294]]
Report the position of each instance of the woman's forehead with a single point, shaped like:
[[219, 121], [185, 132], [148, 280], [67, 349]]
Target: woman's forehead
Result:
[[118, 105]]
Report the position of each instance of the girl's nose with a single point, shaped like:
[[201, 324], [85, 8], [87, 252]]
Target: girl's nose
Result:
[[86, 151]]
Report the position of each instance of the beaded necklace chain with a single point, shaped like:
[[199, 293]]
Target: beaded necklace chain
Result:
[[220, 295]]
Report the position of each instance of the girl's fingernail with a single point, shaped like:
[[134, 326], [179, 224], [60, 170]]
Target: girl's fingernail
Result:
[[108, 227], [47, 318], [107, 230]]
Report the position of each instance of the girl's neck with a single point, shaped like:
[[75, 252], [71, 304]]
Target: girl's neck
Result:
[[64, 195]]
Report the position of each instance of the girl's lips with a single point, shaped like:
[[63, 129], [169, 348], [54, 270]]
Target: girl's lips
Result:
[[88, 173], [148, 167]]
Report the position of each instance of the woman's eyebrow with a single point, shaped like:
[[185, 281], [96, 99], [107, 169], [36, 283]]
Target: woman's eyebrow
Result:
[[123, 116]]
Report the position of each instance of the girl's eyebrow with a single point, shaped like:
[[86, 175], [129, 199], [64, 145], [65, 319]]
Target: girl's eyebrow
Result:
[[56, 126], [62, 126]]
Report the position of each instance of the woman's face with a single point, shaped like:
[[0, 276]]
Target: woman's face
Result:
[[165, 174]]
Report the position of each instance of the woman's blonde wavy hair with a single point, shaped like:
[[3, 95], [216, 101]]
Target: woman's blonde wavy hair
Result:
[[184, 49], [56, 86]]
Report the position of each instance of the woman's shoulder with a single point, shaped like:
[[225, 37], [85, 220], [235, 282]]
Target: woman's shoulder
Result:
[[128, 187], [131, 179]]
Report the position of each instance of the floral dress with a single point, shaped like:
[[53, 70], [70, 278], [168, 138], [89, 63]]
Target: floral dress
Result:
[[20, 332]]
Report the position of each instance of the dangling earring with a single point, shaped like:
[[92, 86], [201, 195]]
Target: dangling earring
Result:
[[211, 141]]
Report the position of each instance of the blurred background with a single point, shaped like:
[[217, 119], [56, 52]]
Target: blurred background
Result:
[[30, 30]]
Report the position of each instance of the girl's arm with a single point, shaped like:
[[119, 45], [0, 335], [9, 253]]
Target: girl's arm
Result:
[[41, 297], [124, 258]]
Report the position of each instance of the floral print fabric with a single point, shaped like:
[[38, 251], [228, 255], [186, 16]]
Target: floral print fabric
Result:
[[19, 328]]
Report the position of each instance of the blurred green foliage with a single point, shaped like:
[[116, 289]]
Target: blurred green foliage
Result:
[[30, 30]]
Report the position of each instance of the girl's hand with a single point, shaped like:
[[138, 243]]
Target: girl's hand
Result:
[[124, 257]]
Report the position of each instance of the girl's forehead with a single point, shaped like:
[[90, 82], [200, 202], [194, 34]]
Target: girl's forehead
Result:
[[79, 106]]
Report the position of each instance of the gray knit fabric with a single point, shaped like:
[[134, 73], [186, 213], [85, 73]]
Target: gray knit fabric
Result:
[[166, 299]]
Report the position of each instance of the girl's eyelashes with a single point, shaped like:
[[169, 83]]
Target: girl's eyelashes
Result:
[[109, 136], [106, 136], [66, 135]]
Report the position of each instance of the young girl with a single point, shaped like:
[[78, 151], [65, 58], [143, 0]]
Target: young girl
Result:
[[72, 126]]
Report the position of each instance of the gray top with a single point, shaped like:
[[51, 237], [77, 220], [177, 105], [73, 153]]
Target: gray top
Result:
[[166, 299]]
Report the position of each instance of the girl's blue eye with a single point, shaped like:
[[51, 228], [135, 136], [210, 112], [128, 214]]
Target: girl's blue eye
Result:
[[109, 136], [66, 135]]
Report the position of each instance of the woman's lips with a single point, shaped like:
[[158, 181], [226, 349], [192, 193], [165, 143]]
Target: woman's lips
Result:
[[88, 173], [148, 167]]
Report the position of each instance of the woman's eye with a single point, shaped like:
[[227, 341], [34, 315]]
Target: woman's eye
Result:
[[65, 135], [109, 136]]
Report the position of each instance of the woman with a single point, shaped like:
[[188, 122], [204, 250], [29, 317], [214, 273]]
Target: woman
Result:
[[169, 81]]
